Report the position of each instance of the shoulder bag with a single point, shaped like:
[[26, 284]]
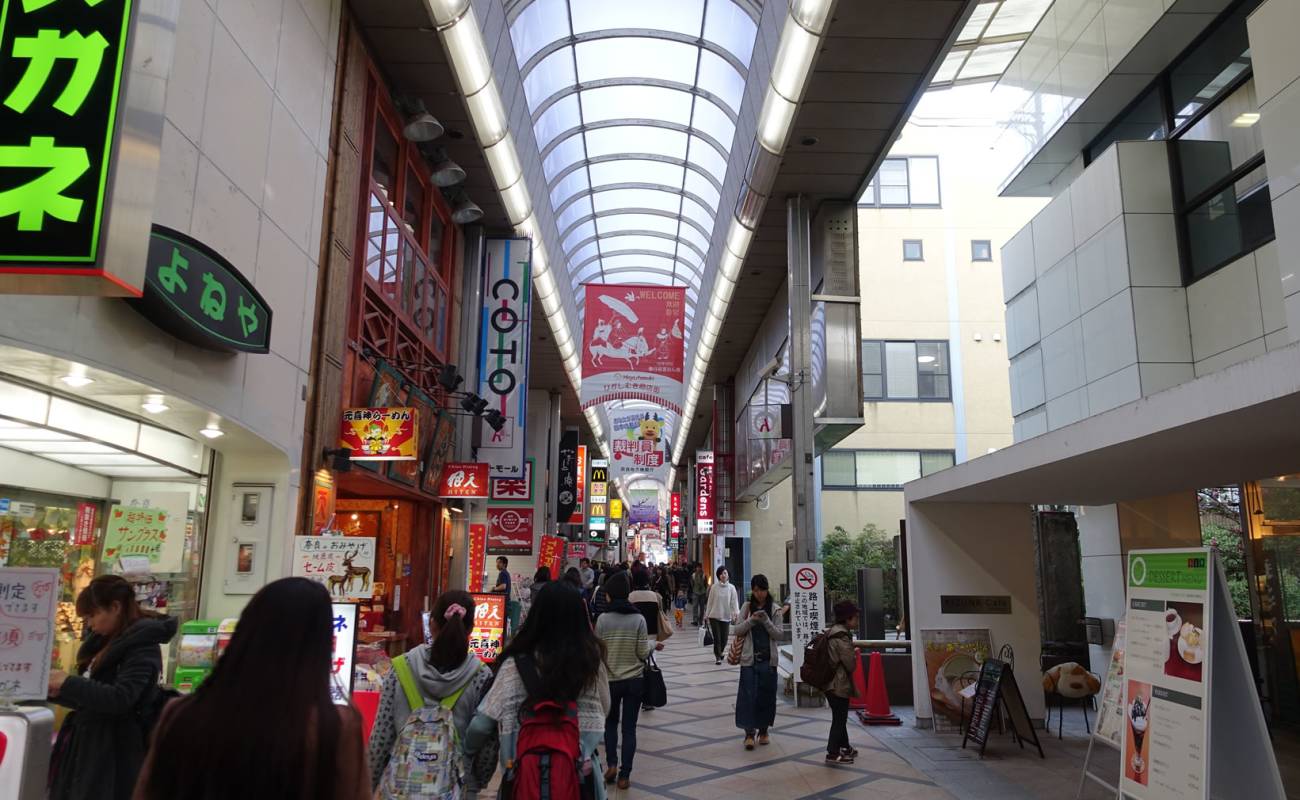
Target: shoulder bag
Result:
[[656, 692]]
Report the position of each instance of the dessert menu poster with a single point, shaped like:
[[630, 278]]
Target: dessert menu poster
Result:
[[1166, 674]]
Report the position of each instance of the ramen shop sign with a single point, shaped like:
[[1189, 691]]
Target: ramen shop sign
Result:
[[379, 434], [61, 67]]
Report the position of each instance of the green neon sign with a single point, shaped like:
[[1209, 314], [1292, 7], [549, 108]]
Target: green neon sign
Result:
[[193, 293], [61, 64]]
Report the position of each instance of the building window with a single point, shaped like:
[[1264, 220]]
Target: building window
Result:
[[908, 371], [908, 182], [981, 250], [880, 470], [912, 250], [1205, 105]]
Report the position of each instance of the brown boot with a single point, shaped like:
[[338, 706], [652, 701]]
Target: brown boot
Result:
[[611, 774], [624, 783]]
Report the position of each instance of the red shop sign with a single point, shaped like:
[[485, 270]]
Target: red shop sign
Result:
[[84, 533], [464, 479]]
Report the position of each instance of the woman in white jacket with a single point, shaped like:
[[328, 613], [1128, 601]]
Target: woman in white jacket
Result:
[[722, 609]]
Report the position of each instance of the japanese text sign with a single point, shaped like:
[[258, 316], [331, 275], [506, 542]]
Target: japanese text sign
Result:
[[580, 497], [704, 501], [566, 490], [464, 479], [551, 554], [632, 345], [510, 531], [380, 434], [155, 532], [84, 532], [477, 556], [489, 626], [807, 604], [28, 598], [638, 443], [616, 509], [675, 515], [61, 67], [196, 295], [643, 507], [343, 564], [344, 624], [503, 351], [514, 490]]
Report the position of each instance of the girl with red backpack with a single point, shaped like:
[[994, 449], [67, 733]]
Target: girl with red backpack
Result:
[[425, 706], [548, 702]]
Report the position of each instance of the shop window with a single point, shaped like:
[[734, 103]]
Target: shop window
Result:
[[913, 250], [906, 371], [911, 181], [880, 470], [981, 250], [383, 167]]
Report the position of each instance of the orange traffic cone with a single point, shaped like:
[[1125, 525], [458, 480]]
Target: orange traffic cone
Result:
[[859, 698], [877, 711]]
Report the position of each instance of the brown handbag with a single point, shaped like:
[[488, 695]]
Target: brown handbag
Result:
[[737, 649]]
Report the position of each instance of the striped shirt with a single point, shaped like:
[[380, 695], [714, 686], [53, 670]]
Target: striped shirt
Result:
[[626, 644]]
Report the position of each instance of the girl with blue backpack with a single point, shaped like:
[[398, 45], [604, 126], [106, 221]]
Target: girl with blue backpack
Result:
[[425, 708]]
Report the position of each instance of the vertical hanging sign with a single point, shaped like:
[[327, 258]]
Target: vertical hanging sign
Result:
[[579, 513], [704, 501], [566, 490], [61, 87], [675, 516], [503, 352], [632, 345]]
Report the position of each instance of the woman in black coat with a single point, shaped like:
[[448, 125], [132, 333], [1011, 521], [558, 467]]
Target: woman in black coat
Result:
[[102, 743]]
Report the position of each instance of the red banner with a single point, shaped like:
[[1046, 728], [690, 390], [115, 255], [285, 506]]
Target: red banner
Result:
[[633, 344], [704, 502], [578, 516], [464, 479], [489, 629], [510, 531], [84, 532], [380, 434], [675, 516], [551, 555], [477, 556]]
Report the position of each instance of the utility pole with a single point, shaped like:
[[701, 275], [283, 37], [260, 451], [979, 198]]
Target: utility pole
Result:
[[798, 280]]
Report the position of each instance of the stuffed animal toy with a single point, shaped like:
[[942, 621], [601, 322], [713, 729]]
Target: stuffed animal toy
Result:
[[1071, 680]]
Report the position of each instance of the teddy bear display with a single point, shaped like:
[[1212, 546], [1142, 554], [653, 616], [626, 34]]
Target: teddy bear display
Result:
[[1071, 680]]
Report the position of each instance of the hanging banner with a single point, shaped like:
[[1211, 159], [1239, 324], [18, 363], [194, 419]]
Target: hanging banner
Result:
[[633, 346], [489, 626], [580, 498], [514, 490], [704, 501], [643, 507], [503, 352], [477, 556], [510, 531], [343, 564], [28, 599], [380, 434], [675, 515], [323, 495], [638, 443], [464, 479], [84, 531], [566, 488], [551, 554], [615, 509]]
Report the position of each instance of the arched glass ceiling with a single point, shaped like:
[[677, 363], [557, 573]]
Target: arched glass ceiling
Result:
[[634, 106]]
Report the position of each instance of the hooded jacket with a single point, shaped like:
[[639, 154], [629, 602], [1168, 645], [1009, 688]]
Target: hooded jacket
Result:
[[434, 686], [102, 743]]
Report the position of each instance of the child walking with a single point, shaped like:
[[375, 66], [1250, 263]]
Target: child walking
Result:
[[679, 607]]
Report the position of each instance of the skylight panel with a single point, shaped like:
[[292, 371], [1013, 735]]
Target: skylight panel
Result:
[[556, 120], [636, 139], [636, 198], [628, 170], [703, 155], [584, 231], [613, 244], [541, 23], [701, 188], [637, 222], [727, 25], [679, 16], [553, 73], [720, 78], [570, 185], [711, 119], [634, 57], [572, 213], [567, 153], [630, 102]]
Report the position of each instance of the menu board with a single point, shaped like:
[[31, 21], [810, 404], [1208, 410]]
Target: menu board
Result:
[[488, 633], [997, 684], [1169, 632], [1110, 717], [27, 603]]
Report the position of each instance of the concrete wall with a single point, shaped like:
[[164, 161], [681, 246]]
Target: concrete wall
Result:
[[975, 549]]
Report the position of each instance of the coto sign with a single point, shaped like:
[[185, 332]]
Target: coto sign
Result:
[[503, 355], [464, 479]]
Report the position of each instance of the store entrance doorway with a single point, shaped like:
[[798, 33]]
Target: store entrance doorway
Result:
[[1275, 524]]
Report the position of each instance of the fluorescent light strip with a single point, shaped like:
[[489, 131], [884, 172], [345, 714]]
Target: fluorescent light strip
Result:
[[800, 36]]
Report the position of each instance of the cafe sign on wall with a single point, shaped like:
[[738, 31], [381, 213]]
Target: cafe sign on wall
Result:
[[196, 295], [62, 64]]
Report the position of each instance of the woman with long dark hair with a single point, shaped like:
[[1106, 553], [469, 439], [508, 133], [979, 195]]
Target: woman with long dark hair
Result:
[[102, 743], [623, 630], [264, 723], [557, 641], [756, 692], [540, 579], [443, 672]]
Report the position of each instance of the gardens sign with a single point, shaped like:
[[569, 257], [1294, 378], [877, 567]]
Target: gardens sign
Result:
[[196, 295]]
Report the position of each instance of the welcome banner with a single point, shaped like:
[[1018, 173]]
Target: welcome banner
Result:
[[633, 344]]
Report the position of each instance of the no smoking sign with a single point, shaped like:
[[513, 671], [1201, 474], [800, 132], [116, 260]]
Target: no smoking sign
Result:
[[806, 579]]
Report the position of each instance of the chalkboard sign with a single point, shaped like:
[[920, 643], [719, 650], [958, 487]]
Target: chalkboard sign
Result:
[[997, 684]]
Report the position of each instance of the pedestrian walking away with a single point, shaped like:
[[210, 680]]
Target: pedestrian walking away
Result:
[[425, 707], [627, 646], [504, 586], [760, 636], [264, 723], [839, 639], [102, 743], [722, 609], [699, 593]]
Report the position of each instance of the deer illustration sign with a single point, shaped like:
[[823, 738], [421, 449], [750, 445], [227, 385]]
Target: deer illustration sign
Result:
[[343, 564]]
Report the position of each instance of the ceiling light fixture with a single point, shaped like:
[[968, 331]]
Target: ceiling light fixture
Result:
[[421, 126], [212, 431], [154, 404], [925, 359], [1246, 119], [448, 173], [77, 377], [465, 211]]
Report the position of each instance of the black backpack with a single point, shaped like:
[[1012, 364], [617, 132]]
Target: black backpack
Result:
[[150, 707], [818, 668]]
